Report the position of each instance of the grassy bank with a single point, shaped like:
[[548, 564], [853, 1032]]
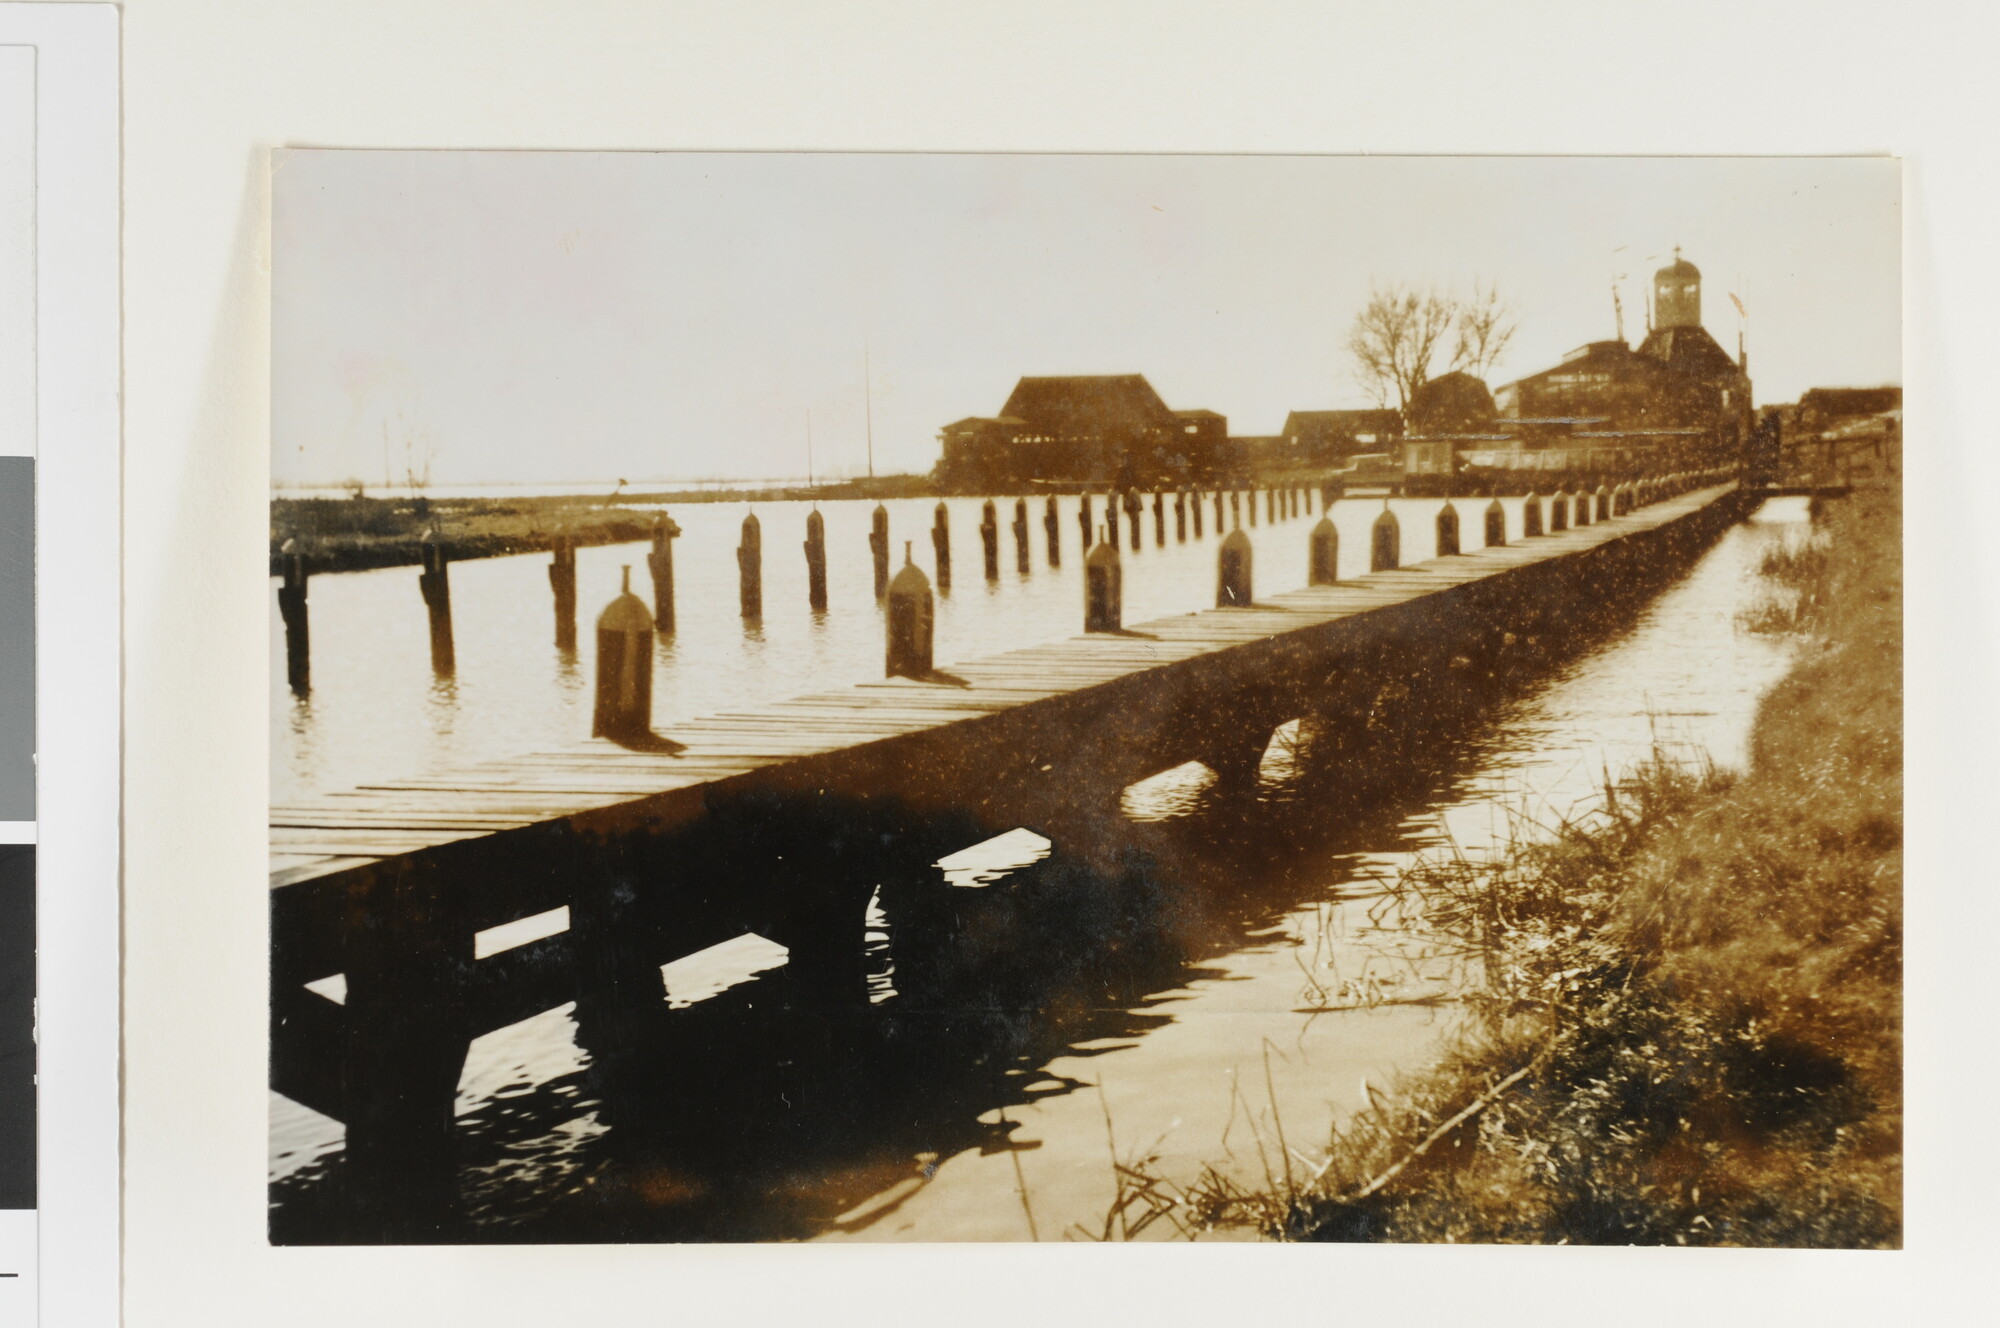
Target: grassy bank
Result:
[[1689, 1028]]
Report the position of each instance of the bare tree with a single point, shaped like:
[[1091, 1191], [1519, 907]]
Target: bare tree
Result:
[[1399, 335]]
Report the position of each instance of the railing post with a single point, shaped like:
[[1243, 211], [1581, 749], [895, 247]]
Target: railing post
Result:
[[298, 627], [1447, 530], [750, 567], [660, 562], [1385, 542], [816, 561], [562, 582], [878, 548], [1103, 589], [989, 539], [1496, 525], [912, 613], [435, 583], [624, 708], [941, 547], [1232, 571], [1324, 564]]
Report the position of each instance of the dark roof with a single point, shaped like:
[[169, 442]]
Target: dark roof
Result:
[[1852, 400], [1689, 350], [1344, 421], [1196, 415], [1451, 403], [1087, 404], [977, 421], [1680, 267]]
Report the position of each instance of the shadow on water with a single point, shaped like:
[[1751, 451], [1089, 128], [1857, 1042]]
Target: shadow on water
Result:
[[762, 1110]]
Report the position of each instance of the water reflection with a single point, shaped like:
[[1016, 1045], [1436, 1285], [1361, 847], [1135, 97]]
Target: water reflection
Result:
[[1266, 967]]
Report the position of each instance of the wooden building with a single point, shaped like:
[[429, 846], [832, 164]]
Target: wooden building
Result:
[[1111, 429]]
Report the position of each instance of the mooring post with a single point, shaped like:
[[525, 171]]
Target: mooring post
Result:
[[1180, 516], [1232, 571], [1496, 524], [1271, 506], [1103, 589], [1323, 567], [1250, 504], [624, 708], [1110, 518], [660, 562], [1053, 529], [562, 582], [1135, 510], [941, 547], [750, 567], [1603, 512], [989, 539], [1559, 512], [1159, 519], [435, 583], [1385, 551], [1220, 527], [878, 548], [1531, 516], [1083, 523], [1194, 511], [1021, 536], [1447, 530], [298, 629], [912, 613], [1235, 512], [816, 561], [1583, 505]]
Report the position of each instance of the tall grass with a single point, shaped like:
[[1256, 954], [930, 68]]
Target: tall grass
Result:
[[1688, 1024]]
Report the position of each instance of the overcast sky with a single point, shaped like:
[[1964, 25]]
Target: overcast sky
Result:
[[551, 317]]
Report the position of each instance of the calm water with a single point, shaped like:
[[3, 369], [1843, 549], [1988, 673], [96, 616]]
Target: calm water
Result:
[[1306, 999]]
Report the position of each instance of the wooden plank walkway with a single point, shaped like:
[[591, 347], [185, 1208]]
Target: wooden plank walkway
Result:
[[338, 832]]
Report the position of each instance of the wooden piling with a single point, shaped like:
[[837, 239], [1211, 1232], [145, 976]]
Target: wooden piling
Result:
[[660, 562], [435, 583], [989, 539], [1103, 589], [1159, 520], [298, 628], [1084, 524], [1219, 526], [1232, 571], [1250, 504], [624, 709], [1180, 515], [1496, 524], [941, 547], [815, 547], [878, 548], [1271, 506], [1021, 536], [912, 614], [1235, 512], [1323, 566], [1110, 518], [750, 567], [1447, 530], [562, 582], [1053, 529], [1385, 542], [1194, 512], [1134, 517]]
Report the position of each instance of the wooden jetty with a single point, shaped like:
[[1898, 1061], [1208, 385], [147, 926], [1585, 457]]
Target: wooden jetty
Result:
[[785, 818]]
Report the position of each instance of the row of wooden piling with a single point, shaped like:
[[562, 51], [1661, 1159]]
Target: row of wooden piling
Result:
[[909, 652]]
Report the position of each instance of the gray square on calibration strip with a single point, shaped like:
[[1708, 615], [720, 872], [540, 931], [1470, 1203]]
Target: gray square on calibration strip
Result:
[[17, 638]]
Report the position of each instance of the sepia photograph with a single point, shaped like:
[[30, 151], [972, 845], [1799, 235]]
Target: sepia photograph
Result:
[[901, 697]]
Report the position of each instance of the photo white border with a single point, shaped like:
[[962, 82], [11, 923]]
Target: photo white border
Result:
[[215, 85], [78, 668]]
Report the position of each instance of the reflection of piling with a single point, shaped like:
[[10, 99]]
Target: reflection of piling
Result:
[[1531, 516], [624, 668], [1447, 531], [1232, 571], [1103, 589], [1052, 528], [1385, 542], [1021, 536], [816, 561], [298, 631], [1496, 524], [941, 547], [989, 539], [1180, 516], [562, 581], [878, 548], [750, 567], [911, 615], [1324, 564], [660, 562], [435, 583], [1159, 520], [1559, 513]]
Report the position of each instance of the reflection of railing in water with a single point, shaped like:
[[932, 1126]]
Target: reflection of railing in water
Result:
[[795, 821]]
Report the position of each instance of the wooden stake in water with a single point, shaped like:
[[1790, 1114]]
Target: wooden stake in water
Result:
[[298, 628], [1053, 529], [750, 567], [660, 562], [1159, 520], [941, 546], [816, 561], [435, 583], [878, 548], [989, 539], [1021, 536], [562, 584]]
